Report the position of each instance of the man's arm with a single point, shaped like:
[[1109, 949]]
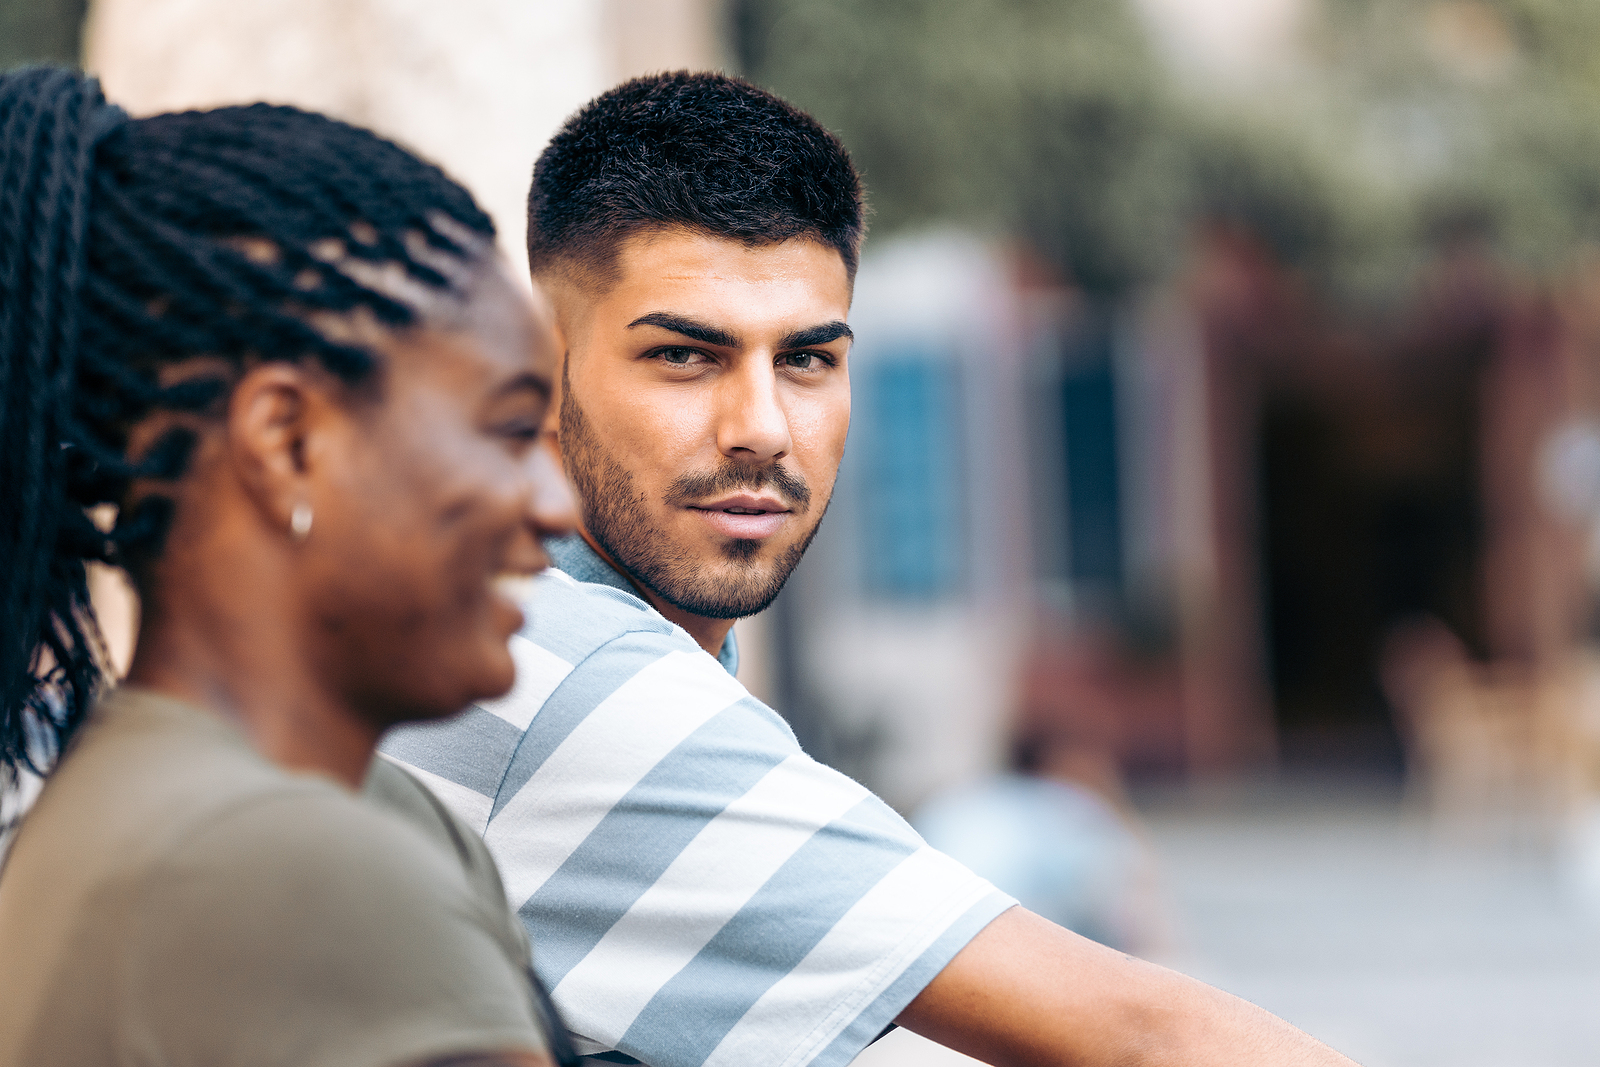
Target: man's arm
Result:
[[1025, 992]]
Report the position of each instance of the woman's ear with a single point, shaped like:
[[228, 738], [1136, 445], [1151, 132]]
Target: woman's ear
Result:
[[279, 422]]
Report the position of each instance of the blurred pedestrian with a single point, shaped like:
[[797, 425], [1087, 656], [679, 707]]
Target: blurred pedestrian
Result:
[[1052, 833], [702, 892], [267, 363]]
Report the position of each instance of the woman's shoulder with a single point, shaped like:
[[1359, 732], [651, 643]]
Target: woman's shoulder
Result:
[[210, 896], [152, 785], [301, 832]]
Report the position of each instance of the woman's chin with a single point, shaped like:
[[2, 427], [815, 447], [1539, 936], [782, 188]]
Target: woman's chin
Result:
[[499, 674], [506, 607], [450, 684]]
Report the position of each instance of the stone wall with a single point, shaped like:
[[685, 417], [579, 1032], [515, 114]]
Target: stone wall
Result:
[[477, 86]]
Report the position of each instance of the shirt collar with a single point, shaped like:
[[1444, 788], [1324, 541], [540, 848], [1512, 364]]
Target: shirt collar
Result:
[[574, 556]]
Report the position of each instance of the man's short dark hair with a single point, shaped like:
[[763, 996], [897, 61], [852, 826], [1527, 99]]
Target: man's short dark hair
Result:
[[703, 151]]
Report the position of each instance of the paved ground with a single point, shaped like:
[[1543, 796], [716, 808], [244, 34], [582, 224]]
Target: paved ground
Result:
[[1399, 945]]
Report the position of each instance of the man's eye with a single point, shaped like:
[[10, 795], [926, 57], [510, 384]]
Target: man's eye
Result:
[[680, 357], [804, 360]]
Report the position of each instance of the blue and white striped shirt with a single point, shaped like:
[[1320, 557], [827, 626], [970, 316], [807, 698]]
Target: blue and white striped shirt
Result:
[[698, 890]]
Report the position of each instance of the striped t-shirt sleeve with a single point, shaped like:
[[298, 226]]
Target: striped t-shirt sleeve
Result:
[[698, 890]]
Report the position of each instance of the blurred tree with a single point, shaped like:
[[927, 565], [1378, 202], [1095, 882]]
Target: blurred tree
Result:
[[1482, 117], [40, 31], [1044, 117], [1407, 123]]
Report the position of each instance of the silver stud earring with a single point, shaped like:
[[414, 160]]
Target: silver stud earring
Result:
[[300, 521]]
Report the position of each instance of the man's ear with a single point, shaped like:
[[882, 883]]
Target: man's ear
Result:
[[550, 433], [278, 422], [547, 309], [565, 303], [545, 304]]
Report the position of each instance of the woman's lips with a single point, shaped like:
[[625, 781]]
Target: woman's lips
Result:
[[744, 517]]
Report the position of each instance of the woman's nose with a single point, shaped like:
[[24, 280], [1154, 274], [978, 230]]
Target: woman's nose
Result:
[[553, 507]]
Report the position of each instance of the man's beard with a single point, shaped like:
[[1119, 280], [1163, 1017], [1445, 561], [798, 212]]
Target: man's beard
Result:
[[616, 515]]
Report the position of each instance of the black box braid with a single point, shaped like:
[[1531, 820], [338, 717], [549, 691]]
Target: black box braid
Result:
[[130, 245]]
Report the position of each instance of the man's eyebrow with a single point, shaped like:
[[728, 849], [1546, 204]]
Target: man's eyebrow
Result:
[[698, 331], [815, 335]]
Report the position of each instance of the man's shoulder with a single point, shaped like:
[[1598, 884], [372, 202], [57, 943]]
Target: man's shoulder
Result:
[[572, 619], [585, 646], [584, 639]]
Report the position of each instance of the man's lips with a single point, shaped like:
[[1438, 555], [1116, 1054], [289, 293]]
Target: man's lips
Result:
[[745, 516]]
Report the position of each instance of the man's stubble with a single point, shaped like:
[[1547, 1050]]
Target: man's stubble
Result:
[[616, 515]]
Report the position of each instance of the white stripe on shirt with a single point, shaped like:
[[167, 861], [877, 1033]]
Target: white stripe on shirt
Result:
[[636, 726], [539, 673], [471, 805], [701, 890], [910, 908]]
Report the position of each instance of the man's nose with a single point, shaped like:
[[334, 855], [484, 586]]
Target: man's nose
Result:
[[752, 424]]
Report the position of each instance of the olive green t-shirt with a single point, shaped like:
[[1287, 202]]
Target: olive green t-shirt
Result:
[[175, 899]]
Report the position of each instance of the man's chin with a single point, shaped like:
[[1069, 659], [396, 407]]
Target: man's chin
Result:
[[726, 589], [708, 576], [744, 552]]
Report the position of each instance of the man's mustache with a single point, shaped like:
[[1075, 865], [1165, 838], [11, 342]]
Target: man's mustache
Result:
[[691, 487]]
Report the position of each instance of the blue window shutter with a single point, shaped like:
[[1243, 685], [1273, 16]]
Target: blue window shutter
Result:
[[910, 458]]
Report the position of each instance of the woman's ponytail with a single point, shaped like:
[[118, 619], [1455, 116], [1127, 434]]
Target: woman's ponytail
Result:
[[50, 122]]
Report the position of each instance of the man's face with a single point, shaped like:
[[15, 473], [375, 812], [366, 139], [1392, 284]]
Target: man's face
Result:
[[704, 410]]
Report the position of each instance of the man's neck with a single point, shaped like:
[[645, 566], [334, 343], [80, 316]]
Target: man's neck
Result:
[[709, 634]]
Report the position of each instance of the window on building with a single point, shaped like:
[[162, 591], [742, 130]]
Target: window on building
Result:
[[909, 454], [1089, 434]]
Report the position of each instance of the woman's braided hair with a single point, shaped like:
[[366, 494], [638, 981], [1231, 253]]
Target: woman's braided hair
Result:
[[130, 246]]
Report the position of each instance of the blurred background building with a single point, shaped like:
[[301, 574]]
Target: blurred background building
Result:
[[1274, 348], [1223, 491]]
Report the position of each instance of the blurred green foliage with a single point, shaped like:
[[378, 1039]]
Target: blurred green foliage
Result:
[[1047, 116], [40, 31], [1400, 125], [1473, 118]]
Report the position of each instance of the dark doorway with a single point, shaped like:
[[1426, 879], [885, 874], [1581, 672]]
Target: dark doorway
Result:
[[1370, 509], [1088, 401]]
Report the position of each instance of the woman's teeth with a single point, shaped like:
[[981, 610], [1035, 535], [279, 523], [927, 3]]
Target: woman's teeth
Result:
[[515, 587]]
